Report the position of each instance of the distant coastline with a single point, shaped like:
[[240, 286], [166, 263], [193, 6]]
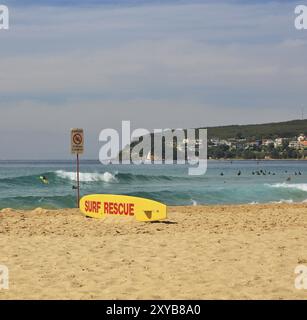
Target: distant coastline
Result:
[[256, 160], [269, 141]]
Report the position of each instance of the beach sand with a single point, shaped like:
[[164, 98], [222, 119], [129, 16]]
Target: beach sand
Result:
[[200, 252]]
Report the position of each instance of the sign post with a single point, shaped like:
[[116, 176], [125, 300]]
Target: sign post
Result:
[[77, 147]]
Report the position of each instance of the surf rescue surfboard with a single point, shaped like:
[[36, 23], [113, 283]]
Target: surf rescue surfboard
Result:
[[100, 206]]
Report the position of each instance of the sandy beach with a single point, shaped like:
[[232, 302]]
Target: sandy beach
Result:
[[200, 252]]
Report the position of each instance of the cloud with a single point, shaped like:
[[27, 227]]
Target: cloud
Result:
[[170, 65]]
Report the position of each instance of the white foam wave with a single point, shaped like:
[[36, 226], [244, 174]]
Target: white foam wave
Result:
[[288, 201], [297, 186], [283, 201], [86, 176]]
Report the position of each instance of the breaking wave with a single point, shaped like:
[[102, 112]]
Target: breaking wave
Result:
[[297, 186], [87, 176]]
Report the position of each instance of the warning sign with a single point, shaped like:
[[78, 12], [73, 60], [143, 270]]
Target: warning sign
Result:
[[77, 141]]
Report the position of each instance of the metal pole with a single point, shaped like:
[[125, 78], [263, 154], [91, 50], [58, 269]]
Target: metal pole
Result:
[[78, 182]]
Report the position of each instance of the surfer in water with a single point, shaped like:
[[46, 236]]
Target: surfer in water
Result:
[[44, 179]]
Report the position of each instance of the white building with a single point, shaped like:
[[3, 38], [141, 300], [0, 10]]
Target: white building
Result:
[[294, 144], [278, 142], [268, 142], [301, 137]]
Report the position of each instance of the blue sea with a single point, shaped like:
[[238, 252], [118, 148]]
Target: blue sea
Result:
[[226, 182]]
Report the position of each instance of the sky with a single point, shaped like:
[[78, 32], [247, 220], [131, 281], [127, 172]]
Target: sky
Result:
[[159, 64]]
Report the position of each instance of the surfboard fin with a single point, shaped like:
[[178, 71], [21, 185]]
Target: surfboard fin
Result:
[[148, 214]]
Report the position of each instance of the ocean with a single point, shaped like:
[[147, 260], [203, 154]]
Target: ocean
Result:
[[21, 187]]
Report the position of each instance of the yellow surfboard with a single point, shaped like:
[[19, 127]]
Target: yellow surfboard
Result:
[[100, 206]]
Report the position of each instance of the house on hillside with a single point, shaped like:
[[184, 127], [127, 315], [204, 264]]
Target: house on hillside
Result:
[[278, 142], [303, 144], [267, 142], [301, 137], [294, 144]]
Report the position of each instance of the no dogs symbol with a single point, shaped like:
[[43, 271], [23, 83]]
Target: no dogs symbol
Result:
[[77, 139]]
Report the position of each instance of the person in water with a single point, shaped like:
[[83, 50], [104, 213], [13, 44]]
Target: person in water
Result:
[[44, 179]]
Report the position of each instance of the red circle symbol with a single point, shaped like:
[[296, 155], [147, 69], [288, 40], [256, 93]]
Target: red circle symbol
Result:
[[77, 138]]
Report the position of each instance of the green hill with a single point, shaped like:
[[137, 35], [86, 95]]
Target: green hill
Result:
[[286, 129]]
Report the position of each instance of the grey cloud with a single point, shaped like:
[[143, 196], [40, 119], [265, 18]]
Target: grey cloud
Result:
[[159, 66]]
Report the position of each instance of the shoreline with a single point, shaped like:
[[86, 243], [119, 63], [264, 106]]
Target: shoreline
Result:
[[97, 160], [256, 160], [199, 252], [273, 203]]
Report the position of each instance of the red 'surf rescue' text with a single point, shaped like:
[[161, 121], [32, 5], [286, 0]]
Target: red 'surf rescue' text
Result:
[[110, 207]]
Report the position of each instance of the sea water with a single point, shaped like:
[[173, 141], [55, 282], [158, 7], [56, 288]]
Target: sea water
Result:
[[226, 182]]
